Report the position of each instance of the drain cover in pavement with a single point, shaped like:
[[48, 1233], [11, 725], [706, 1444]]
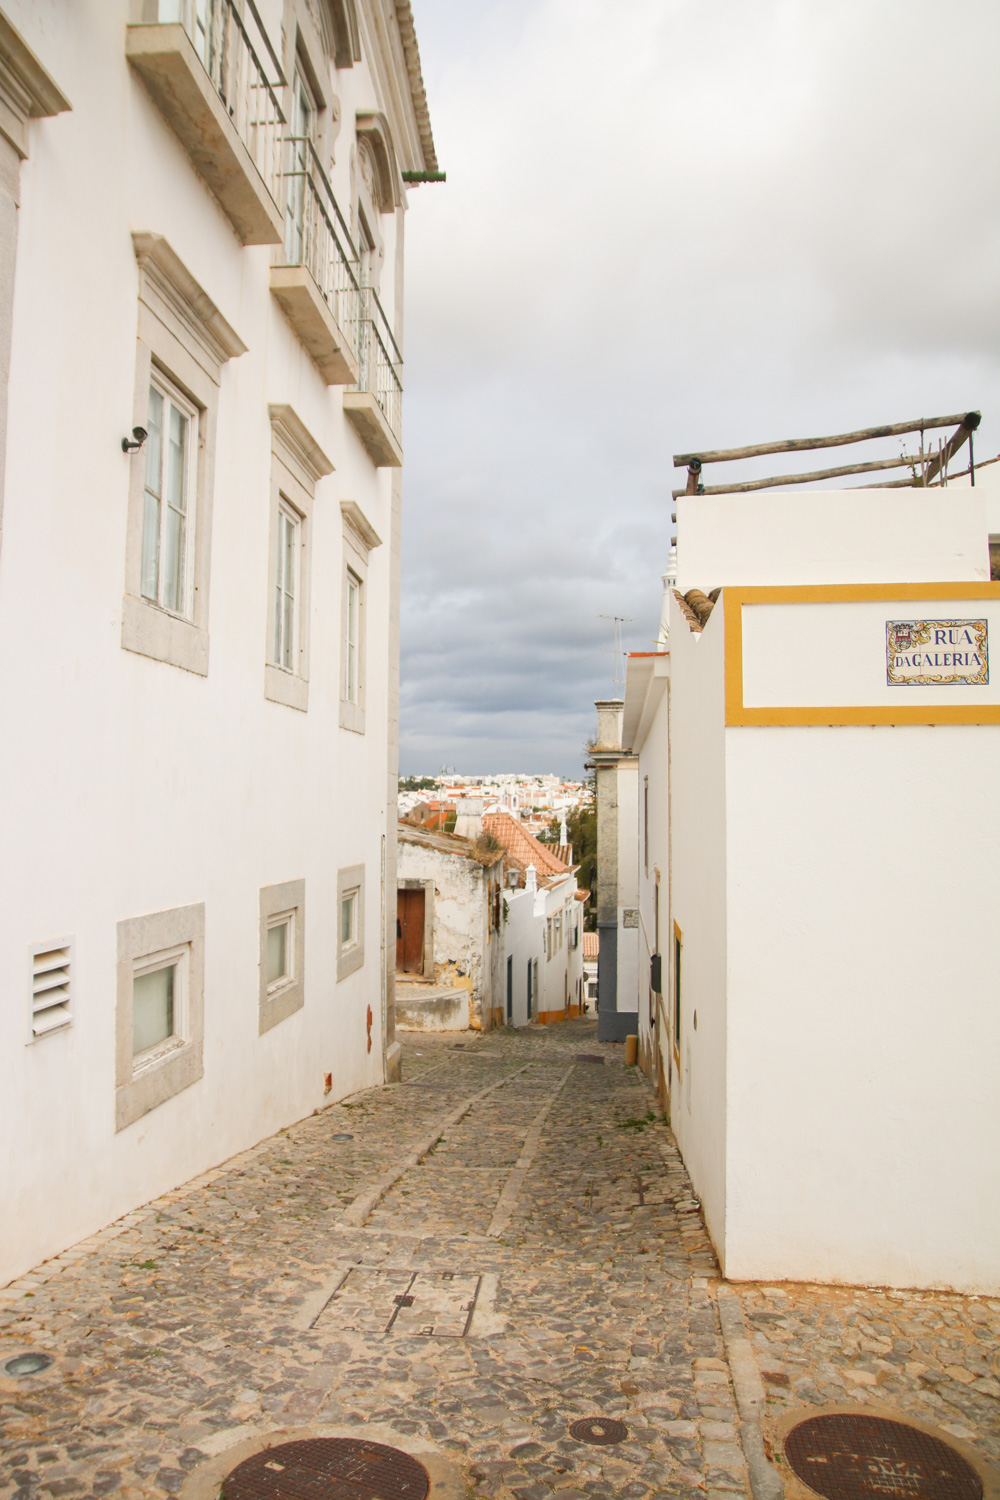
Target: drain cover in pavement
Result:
[[599, 1430], [328, 1469], [588, 1057], [848, 1457]]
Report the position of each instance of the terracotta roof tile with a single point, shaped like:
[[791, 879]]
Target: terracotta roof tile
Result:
[[522, 847]]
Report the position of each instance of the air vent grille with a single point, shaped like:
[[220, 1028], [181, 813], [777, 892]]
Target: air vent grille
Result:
[[50, 983]]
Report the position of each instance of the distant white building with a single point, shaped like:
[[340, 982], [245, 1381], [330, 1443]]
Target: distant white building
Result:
[[543, 926], [826, 1024], [201, 278]]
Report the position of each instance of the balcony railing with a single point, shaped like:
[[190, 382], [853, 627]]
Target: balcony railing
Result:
[[201, 61], [380, 361], [225, 46], [317, 236]]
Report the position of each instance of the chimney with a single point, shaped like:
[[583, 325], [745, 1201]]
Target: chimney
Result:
[[610, 714], [469, 817], [563, 831], [531, 879]]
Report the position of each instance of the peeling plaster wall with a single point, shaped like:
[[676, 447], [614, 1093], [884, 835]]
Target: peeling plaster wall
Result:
[[462, 956]]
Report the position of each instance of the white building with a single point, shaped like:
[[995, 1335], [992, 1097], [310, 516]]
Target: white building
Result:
[[616, 776], [831, 1017], [201, 241], [543, 928]]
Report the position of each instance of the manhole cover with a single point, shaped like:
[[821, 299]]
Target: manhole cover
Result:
[[27, 1364], [847, 1457], [588, 1057], [599, 1430], [342, 1136], [328, 1469]]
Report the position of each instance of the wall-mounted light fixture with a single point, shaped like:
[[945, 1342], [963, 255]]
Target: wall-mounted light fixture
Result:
[[130, 445]]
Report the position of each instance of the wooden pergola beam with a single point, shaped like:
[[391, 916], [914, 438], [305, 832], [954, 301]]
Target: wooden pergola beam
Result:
[[777, 479], [803, 445]]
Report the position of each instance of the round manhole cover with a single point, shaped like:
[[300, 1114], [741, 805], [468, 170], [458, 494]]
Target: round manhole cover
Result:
[[599, 1430], [342, 1135], [848, 1457], [328, 1469], [27, 1364]]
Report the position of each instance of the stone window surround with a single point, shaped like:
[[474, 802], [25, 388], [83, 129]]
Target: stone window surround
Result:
[[305, 47], [427, 886], [139, 1090], [297, 464], [182, 334], [351, 878], [360, 539], [289, 895]]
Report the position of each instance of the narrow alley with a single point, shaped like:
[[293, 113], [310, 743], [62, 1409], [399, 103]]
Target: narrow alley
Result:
[[501, 1246]]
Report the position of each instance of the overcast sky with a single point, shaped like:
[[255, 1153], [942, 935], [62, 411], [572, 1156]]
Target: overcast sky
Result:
[[668, 224]]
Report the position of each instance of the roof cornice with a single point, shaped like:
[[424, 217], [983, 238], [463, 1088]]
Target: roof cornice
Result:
[[418, 94]]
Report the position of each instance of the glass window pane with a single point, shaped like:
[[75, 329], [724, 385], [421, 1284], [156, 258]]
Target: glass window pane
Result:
[[150, 546], [287, 625], [173, 561], [154, 440], [289, 554], [277, 952], [152, 1008], [347, 919], [277, 625], [177, 460]]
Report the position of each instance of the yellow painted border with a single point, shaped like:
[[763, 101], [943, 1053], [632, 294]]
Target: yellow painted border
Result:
[[737, 714]]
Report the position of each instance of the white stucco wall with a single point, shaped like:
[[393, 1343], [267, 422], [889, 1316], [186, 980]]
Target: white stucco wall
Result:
[[698, 1087], [653, 824], [864, 1005], [629, 940], [524, 943], [832, 536], [131, 786]]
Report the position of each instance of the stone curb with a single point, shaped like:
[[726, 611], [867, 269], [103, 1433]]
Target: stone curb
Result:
[[751, 1398]]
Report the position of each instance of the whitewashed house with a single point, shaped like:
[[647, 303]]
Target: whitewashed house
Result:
[[543, 928], [201, 211], [830, 1011]]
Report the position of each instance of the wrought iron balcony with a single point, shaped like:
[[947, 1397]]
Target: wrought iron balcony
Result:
[[201, 62], [317, 283], [375, 405]]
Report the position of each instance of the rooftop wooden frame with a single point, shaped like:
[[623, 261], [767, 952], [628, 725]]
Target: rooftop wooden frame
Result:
[[930, 465]]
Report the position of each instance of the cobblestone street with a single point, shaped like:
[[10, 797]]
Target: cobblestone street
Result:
[[522, 1173]]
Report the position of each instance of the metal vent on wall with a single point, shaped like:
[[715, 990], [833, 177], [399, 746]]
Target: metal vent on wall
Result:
[[50, 978]]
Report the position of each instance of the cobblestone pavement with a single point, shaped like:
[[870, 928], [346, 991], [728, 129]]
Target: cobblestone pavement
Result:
[[325, 1278]]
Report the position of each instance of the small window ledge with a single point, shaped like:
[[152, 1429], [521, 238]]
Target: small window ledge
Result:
[[151, 631], [372, 426], [318, 330], [163, 56], [284, 687]]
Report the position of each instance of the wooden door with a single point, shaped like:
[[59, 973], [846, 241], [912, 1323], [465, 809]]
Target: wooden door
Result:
[[410, 931]]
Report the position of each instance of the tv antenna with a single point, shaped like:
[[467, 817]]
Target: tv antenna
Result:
[[617, 649]]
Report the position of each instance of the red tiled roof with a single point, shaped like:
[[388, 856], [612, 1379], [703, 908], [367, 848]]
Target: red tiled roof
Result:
[[522, 847], [591, 944]]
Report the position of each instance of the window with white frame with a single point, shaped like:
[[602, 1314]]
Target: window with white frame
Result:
[[359, 539], [281, 989], [287, 569], [280, 951], [160, 1009], [352, 639], [297, 463], [168, 499], [159, 990], [301, 127], [182, 346], [350, 919]]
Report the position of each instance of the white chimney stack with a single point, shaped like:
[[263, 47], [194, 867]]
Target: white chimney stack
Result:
[[469, 817]]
